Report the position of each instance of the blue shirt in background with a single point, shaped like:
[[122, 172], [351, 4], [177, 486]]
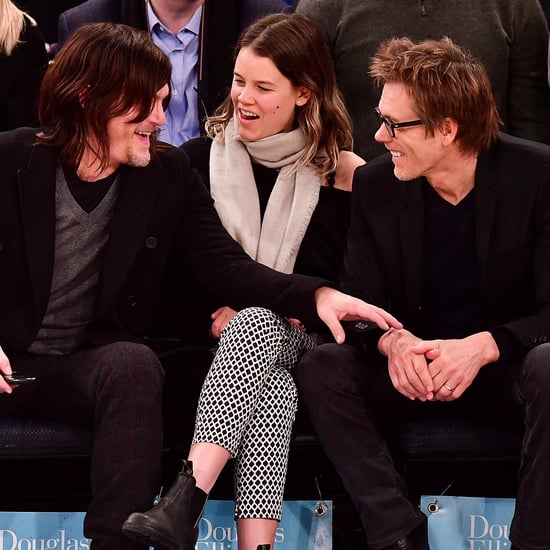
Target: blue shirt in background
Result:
[[182, 118]]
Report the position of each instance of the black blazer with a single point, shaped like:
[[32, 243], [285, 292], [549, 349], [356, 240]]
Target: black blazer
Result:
[[512, 216], [223, 20], [164, 216]]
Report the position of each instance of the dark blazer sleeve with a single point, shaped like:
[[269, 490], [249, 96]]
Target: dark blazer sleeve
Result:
[[92, 11], [518, 253]]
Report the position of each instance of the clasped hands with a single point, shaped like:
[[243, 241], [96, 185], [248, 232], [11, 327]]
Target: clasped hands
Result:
[[435, 370]]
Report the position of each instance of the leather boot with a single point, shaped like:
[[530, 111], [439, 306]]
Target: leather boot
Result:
[[168, 524], [415, 540]]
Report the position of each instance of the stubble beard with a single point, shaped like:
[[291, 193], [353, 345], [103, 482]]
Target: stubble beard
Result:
[[139, 161]]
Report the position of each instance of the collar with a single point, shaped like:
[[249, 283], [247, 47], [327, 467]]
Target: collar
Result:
[[193, 25]]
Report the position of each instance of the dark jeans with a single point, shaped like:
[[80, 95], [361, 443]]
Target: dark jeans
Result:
[[116, 389], [351, 401]]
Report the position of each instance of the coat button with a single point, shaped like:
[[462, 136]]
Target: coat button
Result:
[[132, 300], [151, 242]]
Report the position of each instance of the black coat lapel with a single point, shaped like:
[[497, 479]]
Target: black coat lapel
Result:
[[37, 200], [485, 206], [411, 226], [135, 204]]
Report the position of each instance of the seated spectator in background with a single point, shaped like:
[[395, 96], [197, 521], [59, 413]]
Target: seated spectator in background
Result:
[[92, 213], [46, 14], [23, 61], [452, 228], [272, 165], [510, 37], [197, 35]]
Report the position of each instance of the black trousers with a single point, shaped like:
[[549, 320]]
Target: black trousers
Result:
[[351, 402], [117, 389]]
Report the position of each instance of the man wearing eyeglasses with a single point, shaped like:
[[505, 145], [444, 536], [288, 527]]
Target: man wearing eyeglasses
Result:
[[510, 37], [450, 230]]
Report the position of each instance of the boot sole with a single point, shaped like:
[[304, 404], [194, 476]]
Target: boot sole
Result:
[[150, 537]]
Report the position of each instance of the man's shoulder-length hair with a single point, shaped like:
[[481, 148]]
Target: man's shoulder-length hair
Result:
[[104, 70]]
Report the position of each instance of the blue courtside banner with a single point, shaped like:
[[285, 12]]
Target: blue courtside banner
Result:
[[306, 524], [468, 523]]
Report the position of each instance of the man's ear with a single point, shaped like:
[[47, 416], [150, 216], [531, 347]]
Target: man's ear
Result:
[[304, 95], [448, 129]]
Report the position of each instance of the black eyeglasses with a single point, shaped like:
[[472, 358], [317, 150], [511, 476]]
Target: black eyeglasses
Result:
[[392, 126]]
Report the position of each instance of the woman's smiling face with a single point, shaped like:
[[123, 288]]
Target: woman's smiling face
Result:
[[264, 99]]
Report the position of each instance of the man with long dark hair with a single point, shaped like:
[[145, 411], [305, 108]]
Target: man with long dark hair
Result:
[[92, 213]]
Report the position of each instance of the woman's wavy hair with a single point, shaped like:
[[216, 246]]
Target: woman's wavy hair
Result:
[[300, 52], [104, 70], [444, 80]]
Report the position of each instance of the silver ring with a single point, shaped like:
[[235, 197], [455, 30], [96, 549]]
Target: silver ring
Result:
[[447, 387]]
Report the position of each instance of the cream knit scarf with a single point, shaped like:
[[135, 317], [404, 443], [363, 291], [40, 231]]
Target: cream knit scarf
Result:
[[275, 242]]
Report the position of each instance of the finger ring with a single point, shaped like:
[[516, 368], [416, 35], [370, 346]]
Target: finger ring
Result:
[[447, 387]]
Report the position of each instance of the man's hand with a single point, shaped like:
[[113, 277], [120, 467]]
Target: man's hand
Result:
[[407, 366], [220, 318], [5, 368], [455, 363], [334, 306]]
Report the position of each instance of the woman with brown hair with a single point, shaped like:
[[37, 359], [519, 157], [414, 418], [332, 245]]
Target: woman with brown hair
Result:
[[279, 168]]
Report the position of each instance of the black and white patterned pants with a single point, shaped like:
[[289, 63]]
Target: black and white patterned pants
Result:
[[248, 404]]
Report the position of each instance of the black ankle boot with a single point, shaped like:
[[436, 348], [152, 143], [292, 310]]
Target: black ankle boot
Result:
[[415, 540], [170, 524]]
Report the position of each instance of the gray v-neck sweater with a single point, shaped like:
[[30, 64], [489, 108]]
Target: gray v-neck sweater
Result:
[[79, 241]]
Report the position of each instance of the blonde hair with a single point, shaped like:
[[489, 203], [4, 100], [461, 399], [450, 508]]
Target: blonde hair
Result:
[[12, 22]]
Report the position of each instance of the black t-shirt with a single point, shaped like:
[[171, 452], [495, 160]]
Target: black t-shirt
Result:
[[88, 194]]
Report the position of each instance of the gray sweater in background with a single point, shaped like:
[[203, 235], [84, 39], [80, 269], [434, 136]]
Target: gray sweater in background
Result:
[[509, 36]]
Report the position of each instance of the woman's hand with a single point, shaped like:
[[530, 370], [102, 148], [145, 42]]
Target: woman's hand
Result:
[[220, 318]]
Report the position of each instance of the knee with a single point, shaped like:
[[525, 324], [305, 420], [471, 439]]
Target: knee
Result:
[[316, 361], [262, 326], [257, 318], [536, 368], [328, 367], [131, 365]]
